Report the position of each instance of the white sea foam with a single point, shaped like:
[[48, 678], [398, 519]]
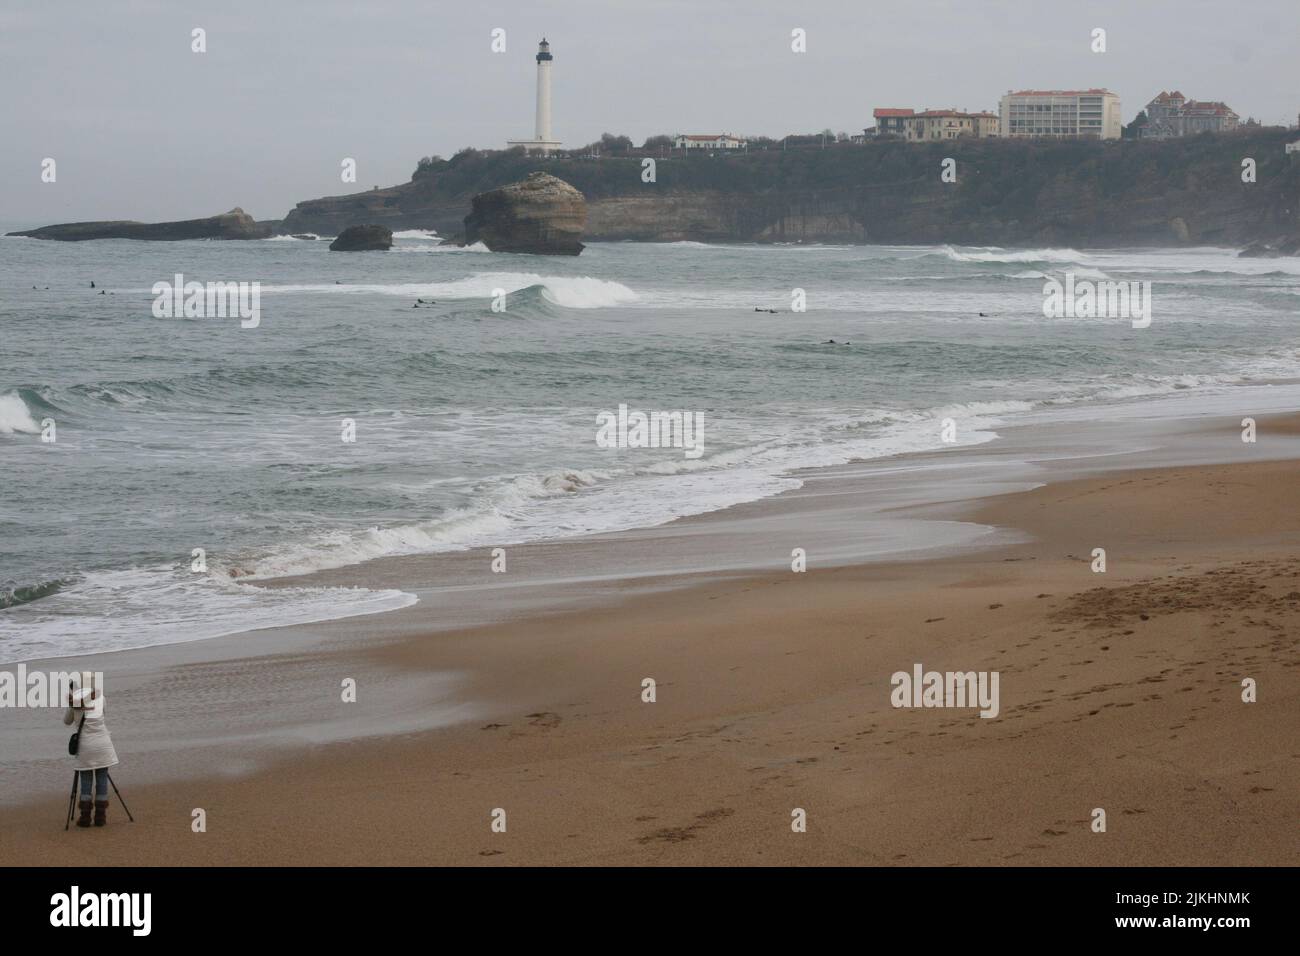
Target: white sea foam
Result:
[[415, 234], [981, 409], [572, 292], [15, 416], [493, 518], [143, 607], [439, 247], [997, 254], [632, 494]]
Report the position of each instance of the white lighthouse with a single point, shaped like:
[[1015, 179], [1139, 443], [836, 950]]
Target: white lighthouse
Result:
[[542, 140], [543, 132]]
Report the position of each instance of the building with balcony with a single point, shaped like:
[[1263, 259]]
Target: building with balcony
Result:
[[1062, 114]]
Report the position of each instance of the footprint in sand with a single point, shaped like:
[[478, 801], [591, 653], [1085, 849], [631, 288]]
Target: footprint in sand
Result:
[[682, 834]]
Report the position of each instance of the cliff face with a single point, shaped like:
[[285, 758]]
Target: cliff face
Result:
[[1176, 192], [235, 224], [541, 215]]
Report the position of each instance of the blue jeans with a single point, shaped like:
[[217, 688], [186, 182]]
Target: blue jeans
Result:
[[101, 783]]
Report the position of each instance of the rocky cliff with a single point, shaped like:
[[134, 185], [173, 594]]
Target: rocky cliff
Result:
[[235, 224], [1177, 192], [540, 215]]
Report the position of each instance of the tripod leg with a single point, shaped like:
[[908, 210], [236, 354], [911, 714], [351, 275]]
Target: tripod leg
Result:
[[119, 796], [72, 799]]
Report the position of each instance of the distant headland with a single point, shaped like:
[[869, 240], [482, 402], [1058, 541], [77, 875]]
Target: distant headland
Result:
[[235, 224], [1085, 192], [1184, 191]]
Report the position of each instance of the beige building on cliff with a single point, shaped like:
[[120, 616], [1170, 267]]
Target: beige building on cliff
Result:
[[1062, 113], [932, 125], [708, 141]]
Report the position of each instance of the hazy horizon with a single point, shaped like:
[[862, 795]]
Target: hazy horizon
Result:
[[143, 128]]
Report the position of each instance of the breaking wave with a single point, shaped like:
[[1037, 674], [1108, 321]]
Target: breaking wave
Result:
[[15, 416], [997, 254], [571, 292]]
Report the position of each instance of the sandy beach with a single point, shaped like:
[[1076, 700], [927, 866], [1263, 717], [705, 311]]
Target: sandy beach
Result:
[[1119, 690]]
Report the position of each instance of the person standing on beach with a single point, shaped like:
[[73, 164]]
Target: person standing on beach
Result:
[[95, 753]]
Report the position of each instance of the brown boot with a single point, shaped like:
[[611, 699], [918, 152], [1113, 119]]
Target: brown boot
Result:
[[84, 806], [101, 812]]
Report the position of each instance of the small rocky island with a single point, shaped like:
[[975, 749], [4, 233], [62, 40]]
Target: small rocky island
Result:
[[366, 238], [235, 224], [542, 215]]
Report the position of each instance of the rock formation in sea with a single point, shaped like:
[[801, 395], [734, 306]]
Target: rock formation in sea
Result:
[[363, 239], [541, 215], [235, 224]]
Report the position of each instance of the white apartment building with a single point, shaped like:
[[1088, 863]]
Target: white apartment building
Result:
[[1062, 113], [709, 141]]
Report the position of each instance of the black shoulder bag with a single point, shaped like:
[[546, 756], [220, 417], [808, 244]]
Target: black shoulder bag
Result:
[[74, 742]]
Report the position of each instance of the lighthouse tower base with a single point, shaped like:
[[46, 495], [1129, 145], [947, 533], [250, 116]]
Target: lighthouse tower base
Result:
[[542, 146]]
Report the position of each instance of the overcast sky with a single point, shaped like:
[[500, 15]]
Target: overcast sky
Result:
[[143, 128]]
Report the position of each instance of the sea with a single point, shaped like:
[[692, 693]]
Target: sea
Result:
[[194, 461]]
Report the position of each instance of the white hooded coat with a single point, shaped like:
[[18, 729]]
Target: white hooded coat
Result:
[[96, 749]]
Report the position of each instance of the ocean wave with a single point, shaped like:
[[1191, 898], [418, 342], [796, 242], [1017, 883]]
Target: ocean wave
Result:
[[15, 594], [631, 493], [571, 292], [143, 607], [492, 518], [980, 409], [15, 416], [997, 254], [1244, 270], [440, 247], [734, 246], [415, 234], [1079, 272]]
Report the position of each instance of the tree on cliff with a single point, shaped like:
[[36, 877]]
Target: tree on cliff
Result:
[[607, 145], [615, 144], [662, 141], [427, 165]]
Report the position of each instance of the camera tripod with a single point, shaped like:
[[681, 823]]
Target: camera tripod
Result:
[[72, 798]]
